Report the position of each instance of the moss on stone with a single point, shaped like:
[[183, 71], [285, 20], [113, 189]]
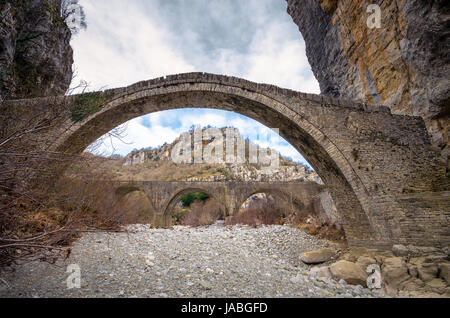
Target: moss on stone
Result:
[[86, 105]]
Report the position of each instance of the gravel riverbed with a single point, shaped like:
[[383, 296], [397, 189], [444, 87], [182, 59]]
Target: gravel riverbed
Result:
[[214, 261]]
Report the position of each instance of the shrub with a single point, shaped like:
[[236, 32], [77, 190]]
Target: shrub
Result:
[[187, 200], [261, 212], [203, 213]]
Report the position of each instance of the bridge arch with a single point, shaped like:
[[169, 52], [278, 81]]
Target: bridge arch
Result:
[[344, 142], [285, 195], [179, 194]]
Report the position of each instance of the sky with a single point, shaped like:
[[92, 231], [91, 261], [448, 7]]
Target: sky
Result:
[[134, 40]]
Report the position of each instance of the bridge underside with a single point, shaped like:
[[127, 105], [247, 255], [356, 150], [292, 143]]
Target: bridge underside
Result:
[[380, 168]]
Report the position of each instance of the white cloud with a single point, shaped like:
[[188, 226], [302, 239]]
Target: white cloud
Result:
[[122, 46]]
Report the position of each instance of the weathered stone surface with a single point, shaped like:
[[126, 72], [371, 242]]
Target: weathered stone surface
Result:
[[318, 256], [35, 54], [404, 64], [394, 272], [320, 272], [428, 271], [400, 250], [350, 272]]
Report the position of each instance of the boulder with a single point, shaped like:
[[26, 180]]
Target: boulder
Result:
[[365, 261], [394, 272], [400, 250], [320, 272], [444, 272], [437, 285], [352, 273], [318, 256]]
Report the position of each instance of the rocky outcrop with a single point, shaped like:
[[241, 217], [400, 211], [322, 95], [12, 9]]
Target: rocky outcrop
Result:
[[418, 272], [286, 171], [403, 65], [35, 54]]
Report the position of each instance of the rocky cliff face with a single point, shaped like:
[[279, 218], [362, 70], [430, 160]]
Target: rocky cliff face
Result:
[[35, 54], [286, 171], [404, 64]]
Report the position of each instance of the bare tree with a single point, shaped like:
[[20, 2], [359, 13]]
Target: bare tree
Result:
[[73, 15]]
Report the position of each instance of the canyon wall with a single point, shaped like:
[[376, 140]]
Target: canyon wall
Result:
[[35, 54], [404, 64]]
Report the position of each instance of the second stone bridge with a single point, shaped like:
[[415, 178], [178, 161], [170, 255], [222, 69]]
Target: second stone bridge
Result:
[[165, 195]]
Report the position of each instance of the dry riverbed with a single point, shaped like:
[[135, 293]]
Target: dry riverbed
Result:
[[214, 261]]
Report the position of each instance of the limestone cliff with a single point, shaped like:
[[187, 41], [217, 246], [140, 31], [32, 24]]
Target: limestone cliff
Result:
[[405, 64], [286, 170], [35, 54]]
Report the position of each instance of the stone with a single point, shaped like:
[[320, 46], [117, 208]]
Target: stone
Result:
[[444, 272], [205, 285], [320, 272], [406, 63], [437, 285], [428, 271], [350, 272], [435, 258], [35, 53], [400, 250], [365, 261], [394, 272], [318, 256]]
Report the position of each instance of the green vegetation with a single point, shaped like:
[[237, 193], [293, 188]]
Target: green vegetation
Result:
[[192, 197], [54, 13], [223, 172], [86, 105], [178, 216], [28, 76]]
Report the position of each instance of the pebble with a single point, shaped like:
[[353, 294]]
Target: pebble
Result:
[[215, 261]]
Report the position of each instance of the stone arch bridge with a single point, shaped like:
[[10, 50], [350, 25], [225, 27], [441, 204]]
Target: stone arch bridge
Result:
[[388, 183], [165, 195]]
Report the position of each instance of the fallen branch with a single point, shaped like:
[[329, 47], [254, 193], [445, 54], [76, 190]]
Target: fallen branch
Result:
[[32, 246]]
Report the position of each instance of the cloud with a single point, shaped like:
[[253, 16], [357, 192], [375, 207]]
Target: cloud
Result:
[[122, 46]]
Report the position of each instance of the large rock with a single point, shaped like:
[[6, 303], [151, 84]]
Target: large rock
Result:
[[404, 64], [35, 54], [365, 261], [320, 272], [318, 256], [350, 272]]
